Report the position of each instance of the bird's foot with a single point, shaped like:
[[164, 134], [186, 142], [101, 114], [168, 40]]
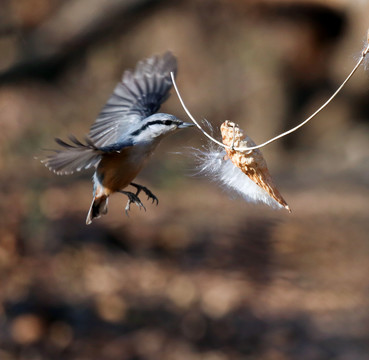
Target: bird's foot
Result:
[[132, 198], [149, 194]]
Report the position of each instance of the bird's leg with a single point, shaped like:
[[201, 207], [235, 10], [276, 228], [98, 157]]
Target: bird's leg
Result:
[[149, 194], [132, 198]]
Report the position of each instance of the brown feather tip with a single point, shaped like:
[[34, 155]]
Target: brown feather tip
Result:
[[252, 162]]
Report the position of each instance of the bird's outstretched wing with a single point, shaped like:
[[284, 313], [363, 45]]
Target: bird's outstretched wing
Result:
[[138, 95], [76, 156]]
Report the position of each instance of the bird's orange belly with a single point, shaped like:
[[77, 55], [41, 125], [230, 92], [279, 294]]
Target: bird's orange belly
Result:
[[115, 172]]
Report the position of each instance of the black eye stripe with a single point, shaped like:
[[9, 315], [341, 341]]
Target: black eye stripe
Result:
[[155, 122]]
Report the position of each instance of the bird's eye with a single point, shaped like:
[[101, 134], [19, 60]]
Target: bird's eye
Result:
[[168, 122]]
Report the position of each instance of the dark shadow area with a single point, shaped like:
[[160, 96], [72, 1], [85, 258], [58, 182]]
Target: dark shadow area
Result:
[[239, 332]]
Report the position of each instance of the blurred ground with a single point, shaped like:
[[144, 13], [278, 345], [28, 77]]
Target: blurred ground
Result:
[[201, 276]]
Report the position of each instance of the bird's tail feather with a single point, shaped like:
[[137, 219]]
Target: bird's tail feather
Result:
[[74, 157], [99, 206]]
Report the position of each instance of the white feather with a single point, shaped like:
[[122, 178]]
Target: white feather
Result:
[[211, 163]]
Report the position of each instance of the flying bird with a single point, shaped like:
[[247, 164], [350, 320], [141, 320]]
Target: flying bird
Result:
[[124, 135]]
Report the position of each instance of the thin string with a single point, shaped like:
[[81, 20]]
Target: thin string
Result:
[[191, 117], [243, 149]]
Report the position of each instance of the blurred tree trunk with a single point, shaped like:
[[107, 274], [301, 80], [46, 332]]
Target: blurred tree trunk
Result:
[[76, 24]]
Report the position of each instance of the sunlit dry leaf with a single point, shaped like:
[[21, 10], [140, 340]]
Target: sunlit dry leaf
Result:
[[251, 163]]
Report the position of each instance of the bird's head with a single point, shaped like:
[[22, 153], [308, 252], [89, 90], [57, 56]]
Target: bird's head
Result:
[[157, 126]]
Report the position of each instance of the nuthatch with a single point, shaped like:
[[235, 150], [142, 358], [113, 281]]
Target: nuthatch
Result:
[[124, 135]]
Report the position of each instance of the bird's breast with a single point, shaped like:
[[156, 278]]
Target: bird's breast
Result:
[[117, 170]]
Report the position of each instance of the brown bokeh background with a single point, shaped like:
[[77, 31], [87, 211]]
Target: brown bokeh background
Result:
[[203, 275]]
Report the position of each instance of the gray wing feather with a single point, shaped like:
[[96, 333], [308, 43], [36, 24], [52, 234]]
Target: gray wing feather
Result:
[[137, 96], [74, 157], [79, 156]]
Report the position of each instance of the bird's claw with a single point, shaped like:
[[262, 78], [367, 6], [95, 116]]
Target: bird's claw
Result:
[[149, 194], [132, 198]]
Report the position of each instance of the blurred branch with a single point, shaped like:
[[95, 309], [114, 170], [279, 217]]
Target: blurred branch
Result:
[[77, 25], [6, 30]]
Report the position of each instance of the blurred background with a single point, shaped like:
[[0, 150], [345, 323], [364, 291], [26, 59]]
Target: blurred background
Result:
[[203, 276]]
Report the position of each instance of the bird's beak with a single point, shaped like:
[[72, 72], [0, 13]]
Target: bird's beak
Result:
[[185, 125]]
